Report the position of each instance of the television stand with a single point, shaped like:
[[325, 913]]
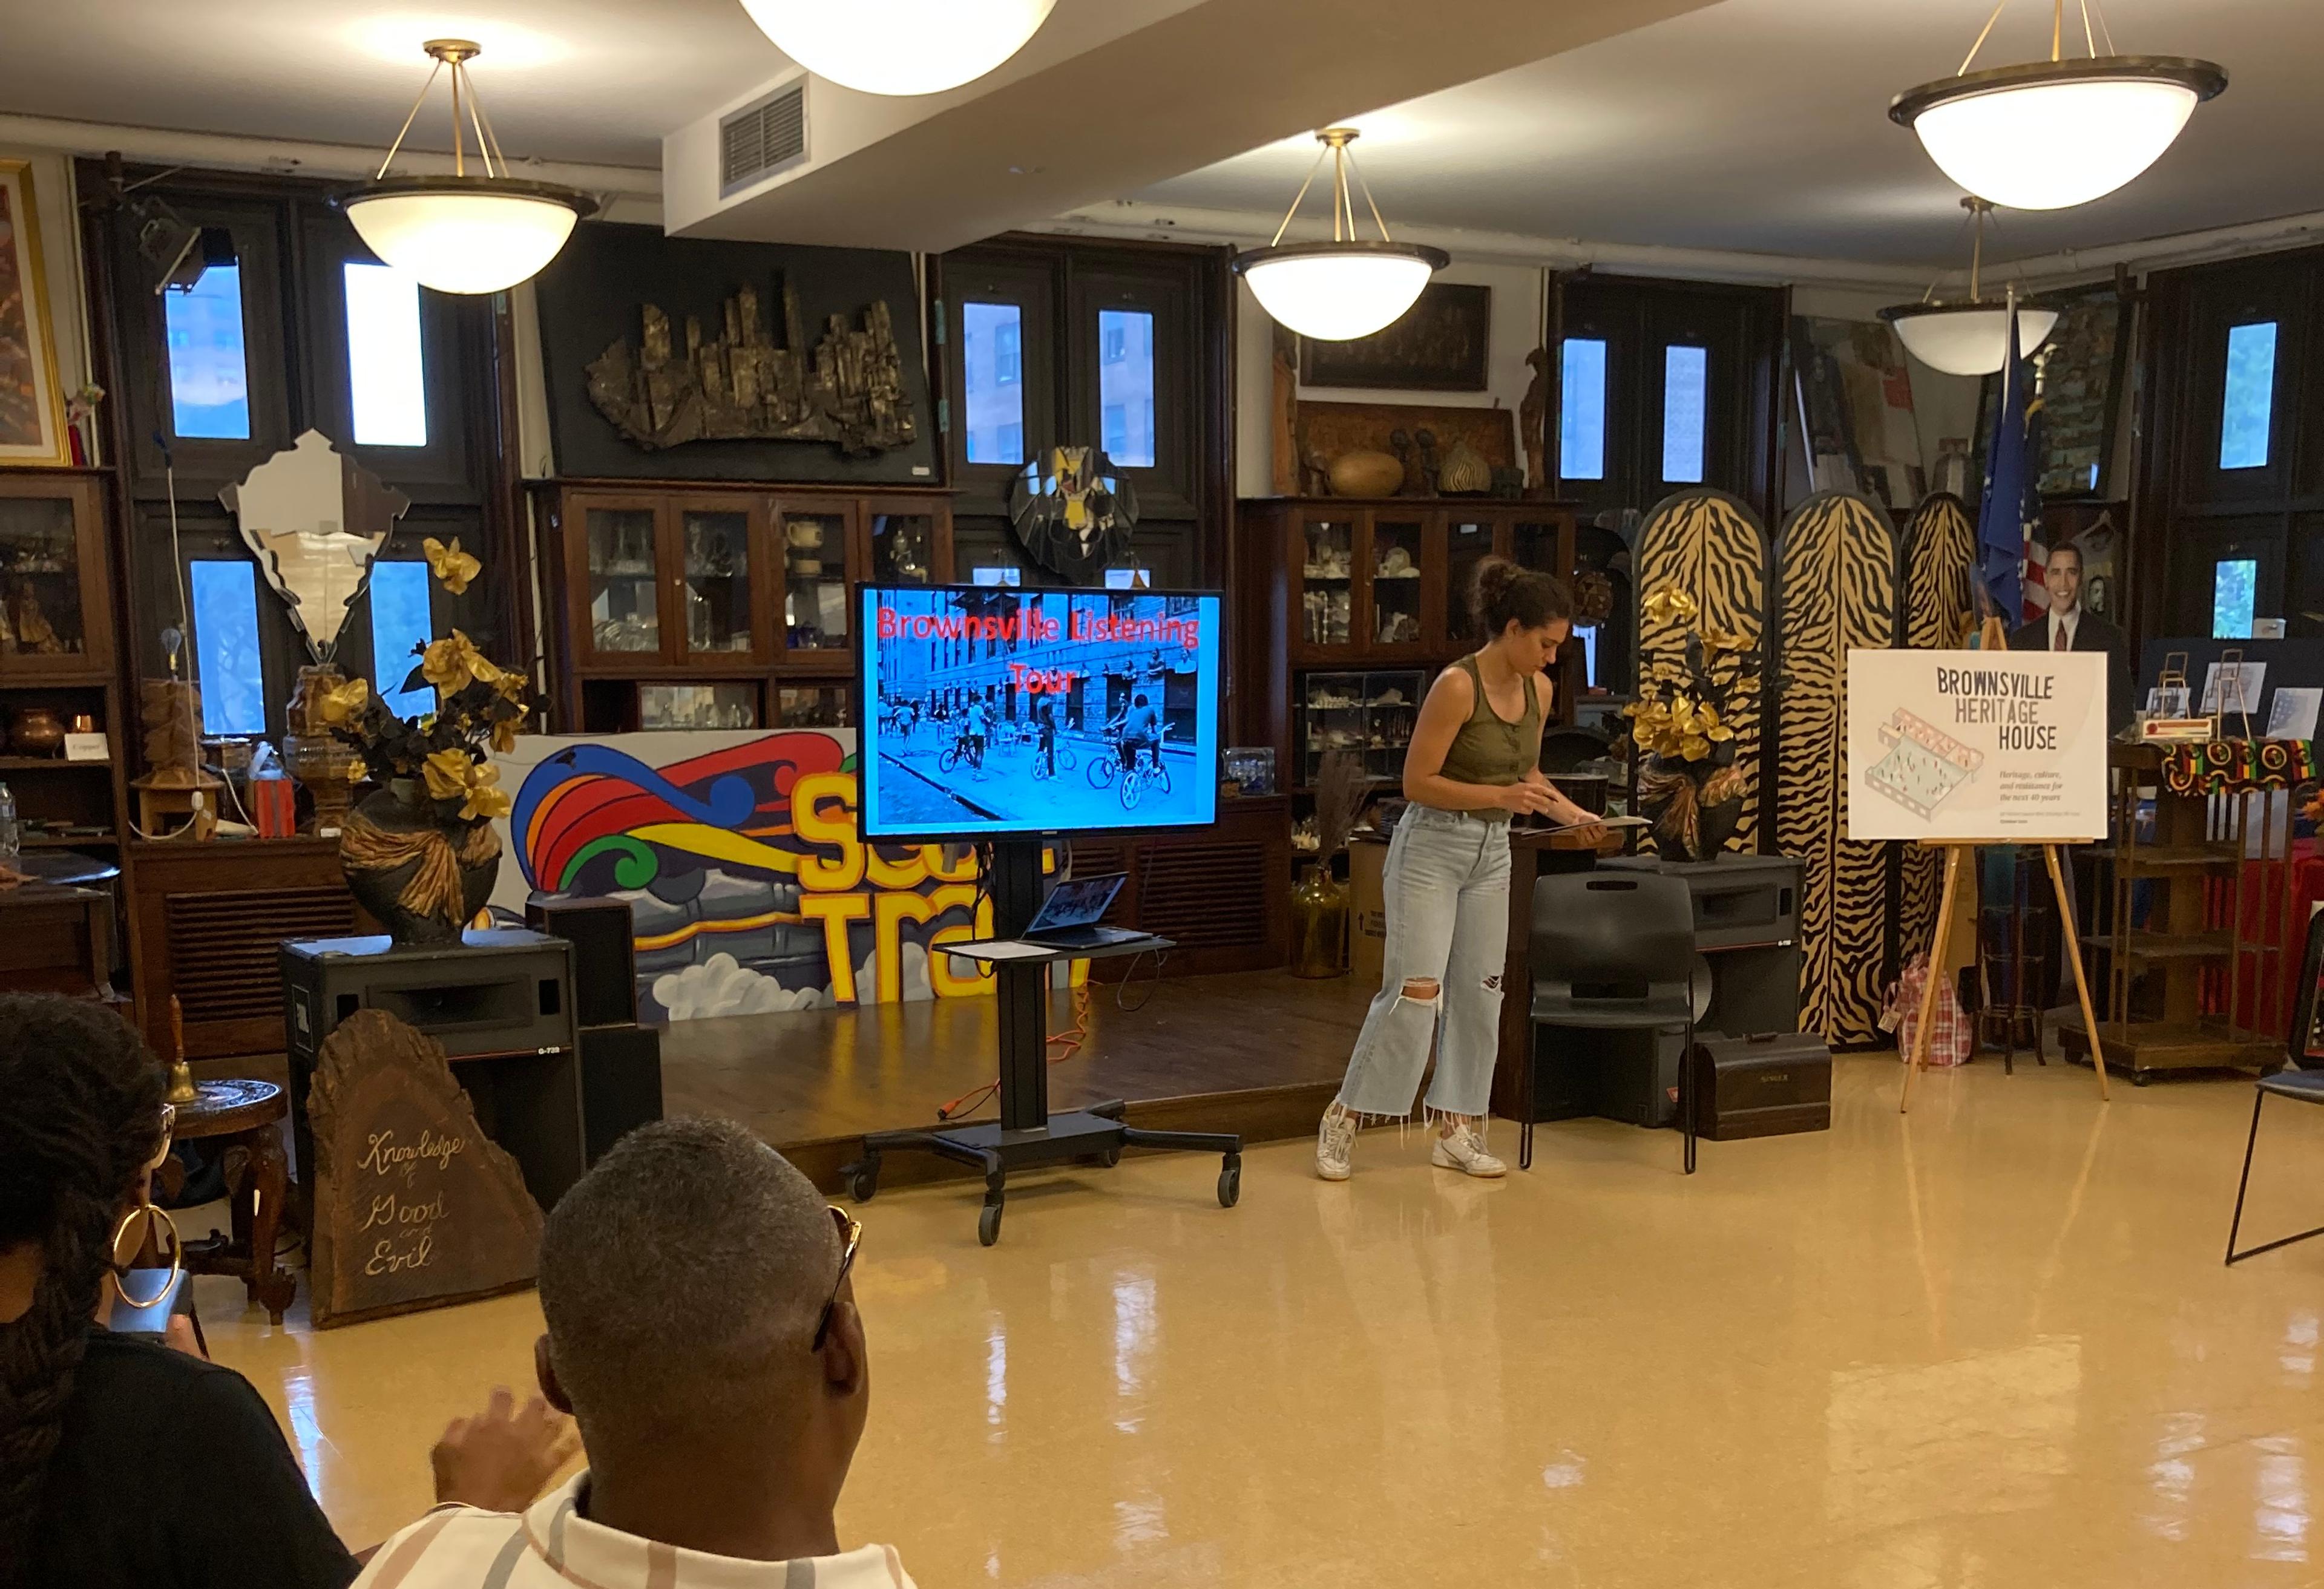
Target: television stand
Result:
[[1026, 1134]]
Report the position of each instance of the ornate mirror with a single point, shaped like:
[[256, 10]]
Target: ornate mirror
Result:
[[315, 520]]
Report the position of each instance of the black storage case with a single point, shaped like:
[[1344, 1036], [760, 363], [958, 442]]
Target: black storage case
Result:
[[1769, 1085]]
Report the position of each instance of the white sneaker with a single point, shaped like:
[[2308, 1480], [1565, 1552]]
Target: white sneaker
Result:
[[1465, 1151], [1335, 1141]]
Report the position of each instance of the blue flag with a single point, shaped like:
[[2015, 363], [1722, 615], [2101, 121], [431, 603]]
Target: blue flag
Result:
[[2009, 481]]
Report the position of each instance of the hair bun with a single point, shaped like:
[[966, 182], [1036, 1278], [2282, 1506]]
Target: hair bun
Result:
[[1495, 576], [1504, 592]]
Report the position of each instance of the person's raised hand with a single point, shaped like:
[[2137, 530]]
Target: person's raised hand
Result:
[[500, 1459]]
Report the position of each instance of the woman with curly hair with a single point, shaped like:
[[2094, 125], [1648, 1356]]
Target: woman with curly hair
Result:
[[124, 1462], [1474, 762]]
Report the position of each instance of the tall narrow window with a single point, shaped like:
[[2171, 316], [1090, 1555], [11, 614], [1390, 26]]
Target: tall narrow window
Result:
[[226, 664], [990, 364], [1125, 386], [384, 366], [209, 377], [1581, 409], [1686, 373], [400, 622], [2235, 597], [2250, 401]]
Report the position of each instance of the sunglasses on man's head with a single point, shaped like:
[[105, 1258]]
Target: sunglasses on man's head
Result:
[[851, 1236]]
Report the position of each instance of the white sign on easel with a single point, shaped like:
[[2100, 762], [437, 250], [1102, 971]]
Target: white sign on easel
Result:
[[1977, 746]]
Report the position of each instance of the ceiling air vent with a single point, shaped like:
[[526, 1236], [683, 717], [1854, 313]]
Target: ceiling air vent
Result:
[[762, 138]]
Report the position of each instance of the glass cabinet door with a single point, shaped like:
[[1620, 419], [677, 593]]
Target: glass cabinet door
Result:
[[717, 546], [624, 580], [44, 624], [813, 706], [1327, 583], [1395, 611], [1466, 545], [732, 705], [1537, 546], [815, 580], [903, 547]]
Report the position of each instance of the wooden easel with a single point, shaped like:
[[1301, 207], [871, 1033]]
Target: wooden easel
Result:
[[1955, 851]]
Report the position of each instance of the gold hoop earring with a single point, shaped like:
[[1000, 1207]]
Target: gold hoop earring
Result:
[[152, 1216], [156, 1218]]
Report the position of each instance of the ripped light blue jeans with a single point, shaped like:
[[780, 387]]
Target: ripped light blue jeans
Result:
[[1446, 887]]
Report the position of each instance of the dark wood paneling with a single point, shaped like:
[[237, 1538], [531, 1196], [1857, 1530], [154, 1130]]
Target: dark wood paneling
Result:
[[206, 919]]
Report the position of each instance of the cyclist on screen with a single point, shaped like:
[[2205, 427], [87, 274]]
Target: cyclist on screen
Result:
[[976, 723], [1140, 724]]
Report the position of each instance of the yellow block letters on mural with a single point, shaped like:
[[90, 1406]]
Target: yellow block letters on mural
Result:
[[846, 881]]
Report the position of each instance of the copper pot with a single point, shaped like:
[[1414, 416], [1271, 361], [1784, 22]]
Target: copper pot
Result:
[[37, 731]]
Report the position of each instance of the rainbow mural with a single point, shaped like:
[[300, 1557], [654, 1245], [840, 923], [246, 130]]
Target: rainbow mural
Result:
[[749, 890]]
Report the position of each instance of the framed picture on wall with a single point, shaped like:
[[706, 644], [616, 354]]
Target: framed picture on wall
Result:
[[32, 408], [1440, 345]]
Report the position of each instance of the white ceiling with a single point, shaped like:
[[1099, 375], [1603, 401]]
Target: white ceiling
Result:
[[1754, 125], [589, 82], [1762, 125]]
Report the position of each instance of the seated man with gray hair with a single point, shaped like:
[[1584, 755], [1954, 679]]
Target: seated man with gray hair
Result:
[[703, 1332]]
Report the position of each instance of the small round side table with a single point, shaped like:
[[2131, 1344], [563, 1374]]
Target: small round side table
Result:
[[248, 1113]]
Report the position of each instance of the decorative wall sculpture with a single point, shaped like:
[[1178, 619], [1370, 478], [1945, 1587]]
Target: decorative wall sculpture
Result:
[[739, 385], [315, 519], [1073, 512], [1939, 614], [1711, 545], [694, 358], [1836, 564]]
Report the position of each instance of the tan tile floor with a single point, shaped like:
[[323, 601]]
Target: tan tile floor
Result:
[[1989, 1345]]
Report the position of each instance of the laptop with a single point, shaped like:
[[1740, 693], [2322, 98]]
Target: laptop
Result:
[[1066, 918]]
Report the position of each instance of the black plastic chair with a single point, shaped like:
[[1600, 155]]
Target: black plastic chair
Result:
[[2301, 1087], [1613, 951]]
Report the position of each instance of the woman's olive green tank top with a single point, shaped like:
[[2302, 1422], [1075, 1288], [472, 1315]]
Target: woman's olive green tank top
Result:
[[1489, 749]]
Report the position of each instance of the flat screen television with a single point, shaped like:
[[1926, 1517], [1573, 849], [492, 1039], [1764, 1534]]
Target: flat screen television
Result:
[[1001, 710]]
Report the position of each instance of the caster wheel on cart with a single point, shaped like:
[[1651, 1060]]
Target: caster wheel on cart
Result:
[[862, 1182], [988, 1225], [1110, 1158], [2141, 1078], [1231, 1185]]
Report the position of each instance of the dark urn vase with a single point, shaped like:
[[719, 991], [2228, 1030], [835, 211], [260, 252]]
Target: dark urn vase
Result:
[[1672, 794], [423, 877]]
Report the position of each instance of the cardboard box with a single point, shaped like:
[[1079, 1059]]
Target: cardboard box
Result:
[[1366, 907]]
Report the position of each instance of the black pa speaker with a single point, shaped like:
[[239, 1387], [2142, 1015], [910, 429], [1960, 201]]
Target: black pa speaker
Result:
[[621, 1083], [604, 957]]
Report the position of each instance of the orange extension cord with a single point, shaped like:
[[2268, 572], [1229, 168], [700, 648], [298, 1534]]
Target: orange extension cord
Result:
[[1072, 1039]]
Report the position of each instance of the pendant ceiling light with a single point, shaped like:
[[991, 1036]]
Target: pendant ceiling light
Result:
[[463, 233], [1969, 336], [1347, 287], [2050, 134], [900, 46]]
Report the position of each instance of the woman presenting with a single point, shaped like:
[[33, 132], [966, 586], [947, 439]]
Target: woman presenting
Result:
[[1474, 761]]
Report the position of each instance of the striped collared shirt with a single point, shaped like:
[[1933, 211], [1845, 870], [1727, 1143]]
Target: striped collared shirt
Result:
[[553, 1547]]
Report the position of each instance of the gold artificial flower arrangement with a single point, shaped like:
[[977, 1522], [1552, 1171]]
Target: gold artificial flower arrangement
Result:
[[1684, 717], [447, 752]]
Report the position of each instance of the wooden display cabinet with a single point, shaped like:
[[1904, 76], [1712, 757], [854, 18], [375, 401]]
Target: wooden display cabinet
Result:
[[55, 612], [57, 659], [1367, 586], [717, 606]]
